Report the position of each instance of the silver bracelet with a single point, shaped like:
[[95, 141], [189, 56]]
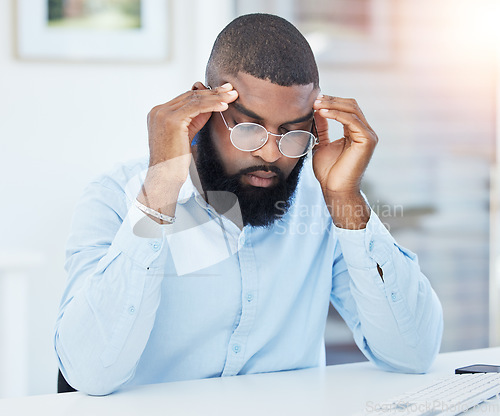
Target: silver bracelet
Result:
[[153, 213]]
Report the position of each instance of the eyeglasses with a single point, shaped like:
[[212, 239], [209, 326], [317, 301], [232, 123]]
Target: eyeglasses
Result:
[[249, 137]]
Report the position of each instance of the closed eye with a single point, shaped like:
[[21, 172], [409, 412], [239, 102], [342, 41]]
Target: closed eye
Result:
[[241, 118], [298, 126]]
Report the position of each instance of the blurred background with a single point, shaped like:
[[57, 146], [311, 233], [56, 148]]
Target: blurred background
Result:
[[78, 77]]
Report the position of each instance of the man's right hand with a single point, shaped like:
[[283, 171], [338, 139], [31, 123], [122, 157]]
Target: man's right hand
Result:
[[171, 129], [173, 125]]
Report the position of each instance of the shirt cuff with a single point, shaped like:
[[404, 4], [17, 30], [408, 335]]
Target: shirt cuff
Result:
[[367, 247], [140, 238]]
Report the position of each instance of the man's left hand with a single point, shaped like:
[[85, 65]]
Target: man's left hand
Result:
[[339, 165]]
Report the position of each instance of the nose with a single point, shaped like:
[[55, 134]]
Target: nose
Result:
[[270, 152]]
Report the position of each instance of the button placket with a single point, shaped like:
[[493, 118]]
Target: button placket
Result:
[[249, 279], [241, 240]]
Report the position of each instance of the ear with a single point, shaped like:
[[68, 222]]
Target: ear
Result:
[[198, 86]]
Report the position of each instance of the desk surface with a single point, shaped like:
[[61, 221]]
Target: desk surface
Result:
[[334, 390]]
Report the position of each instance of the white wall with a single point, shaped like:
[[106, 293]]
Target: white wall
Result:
[[61, 124]]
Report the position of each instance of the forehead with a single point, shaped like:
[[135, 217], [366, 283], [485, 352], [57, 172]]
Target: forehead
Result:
[[271, 101]]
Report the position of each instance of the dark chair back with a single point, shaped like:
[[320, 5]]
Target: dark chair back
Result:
[[62, 384]]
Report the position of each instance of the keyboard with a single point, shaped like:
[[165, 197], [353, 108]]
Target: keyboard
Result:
[[449, 396]]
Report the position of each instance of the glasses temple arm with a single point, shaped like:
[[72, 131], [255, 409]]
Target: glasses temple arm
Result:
[[316, 136], [224, 120]]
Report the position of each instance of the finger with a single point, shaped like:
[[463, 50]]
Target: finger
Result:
[[347, 105], [198, 102], [223, 88], [322, 128], [357, 130], [199, 88], [184, 110], [194, 106]]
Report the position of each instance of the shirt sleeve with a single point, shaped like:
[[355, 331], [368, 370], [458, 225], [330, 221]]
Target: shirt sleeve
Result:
[[113, 291], [396, 318]]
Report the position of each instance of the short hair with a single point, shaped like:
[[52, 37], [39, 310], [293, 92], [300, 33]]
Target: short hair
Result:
[[265, 46]]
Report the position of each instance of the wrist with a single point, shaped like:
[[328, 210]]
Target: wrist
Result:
[[159, 193], [173, 170], [154, 215], [348, 209]]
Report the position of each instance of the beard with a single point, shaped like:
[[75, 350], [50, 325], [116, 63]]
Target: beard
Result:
[[260, 207]]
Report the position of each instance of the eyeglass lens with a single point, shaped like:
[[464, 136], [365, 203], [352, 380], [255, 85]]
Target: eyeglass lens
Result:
[[251, 136]]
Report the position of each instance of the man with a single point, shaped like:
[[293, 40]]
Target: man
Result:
[[220, 256]]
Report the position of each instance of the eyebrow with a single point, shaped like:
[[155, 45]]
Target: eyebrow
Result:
[[246, 111], [242, 109]]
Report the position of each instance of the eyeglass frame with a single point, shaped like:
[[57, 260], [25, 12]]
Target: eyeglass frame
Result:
[[278, 141]]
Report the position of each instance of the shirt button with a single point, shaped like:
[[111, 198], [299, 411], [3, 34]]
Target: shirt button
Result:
[[249, 297], [131, 310], [370, 246], [393, 297], [236, 348], [155, 246]]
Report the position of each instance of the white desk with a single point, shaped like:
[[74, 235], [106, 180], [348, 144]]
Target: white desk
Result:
[[335, 390]]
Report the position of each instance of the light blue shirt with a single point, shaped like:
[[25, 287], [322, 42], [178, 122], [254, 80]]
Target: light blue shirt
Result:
[[201, 298]]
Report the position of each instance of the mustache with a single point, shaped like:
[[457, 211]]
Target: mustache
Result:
[[264, 168]]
